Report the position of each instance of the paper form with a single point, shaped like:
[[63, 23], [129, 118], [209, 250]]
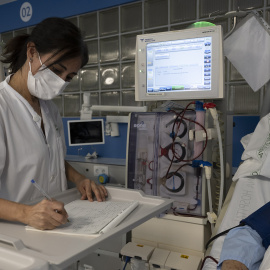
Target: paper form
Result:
[[89, 218]]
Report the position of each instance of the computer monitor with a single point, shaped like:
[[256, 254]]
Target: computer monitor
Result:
[[180, 65], [85, 132]]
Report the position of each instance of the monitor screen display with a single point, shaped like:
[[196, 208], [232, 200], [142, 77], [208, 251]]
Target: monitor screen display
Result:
[[86, 132], [176, 65], [181, 65]]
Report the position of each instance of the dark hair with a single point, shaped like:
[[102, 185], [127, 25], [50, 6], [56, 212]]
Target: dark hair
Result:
[[51, 35]]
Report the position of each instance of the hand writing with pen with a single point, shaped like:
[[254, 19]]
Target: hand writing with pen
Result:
[[46, 215], [50, 214]]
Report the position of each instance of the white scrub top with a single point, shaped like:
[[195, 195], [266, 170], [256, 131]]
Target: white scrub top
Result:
[[25, 152]]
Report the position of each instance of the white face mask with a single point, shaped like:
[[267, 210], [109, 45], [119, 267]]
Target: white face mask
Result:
[[45, 84]]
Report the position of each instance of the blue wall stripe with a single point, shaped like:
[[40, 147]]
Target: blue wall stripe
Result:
[[10, 13]]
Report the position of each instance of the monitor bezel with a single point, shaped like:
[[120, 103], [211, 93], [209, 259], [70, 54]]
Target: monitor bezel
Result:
[[216, 92]]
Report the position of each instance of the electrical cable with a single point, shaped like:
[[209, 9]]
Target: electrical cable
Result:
[[182, 113], [127, 261], [206, 139], [175, 156], [178, 122], [165, 152], [208, 257], [174, 153], [174, 190], [148, 181], [183, 133], [179, 168], [220, 234], [149, 165], [185, 215]]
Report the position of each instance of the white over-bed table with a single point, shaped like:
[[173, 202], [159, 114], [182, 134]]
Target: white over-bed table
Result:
[[60, 251]]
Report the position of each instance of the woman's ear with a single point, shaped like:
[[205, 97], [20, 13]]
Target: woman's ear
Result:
[[31, 50]]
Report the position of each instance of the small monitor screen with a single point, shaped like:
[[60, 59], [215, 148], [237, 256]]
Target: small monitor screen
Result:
[[180, 65], [86, 132]]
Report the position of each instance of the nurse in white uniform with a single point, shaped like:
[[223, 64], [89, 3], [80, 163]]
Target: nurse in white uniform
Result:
[[32, 142]]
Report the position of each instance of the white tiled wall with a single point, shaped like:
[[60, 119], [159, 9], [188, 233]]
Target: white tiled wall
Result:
[[110, 36]]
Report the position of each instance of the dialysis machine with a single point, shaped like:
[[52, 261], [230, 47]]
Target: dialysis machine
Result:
[[166, 157], [170, 151]]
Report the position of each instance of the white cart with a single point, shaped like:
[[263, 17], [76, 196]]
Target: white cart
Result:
[[57, 251]]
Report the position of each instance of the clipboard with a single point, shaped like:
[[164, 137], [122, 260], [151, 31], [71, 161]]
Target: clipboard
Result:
[[60, 250]]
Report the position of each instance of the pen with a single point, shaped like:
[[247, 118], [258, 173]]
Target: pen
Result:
[[43, 192]]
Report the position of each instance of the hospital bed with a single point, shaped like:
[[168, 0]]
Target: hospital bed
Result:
[[250, 191], [245, 196]]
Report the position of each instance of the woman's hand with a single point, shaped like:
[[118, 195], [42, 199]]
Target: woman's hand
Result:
[[88, 187], [46, 215]]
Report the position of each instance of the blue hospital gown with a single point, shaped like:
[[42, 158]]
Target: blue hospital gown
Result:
[[243, 244]]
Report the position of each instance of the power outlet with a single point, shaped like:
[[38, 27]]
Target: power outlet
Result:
[[100, 170]]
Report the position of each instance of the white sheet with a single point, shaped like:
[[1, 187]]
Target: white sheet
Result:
[[256, 156], [250, 194], [265, 265]]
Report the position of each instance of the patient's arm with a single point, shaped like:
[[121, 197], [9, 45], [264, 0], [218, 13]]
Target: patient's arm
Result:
[[233, 265], [242, 249]]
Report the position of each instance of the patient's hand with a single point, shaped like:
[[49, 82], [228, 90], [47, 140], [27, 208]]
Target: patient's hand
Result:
[[233, 265]]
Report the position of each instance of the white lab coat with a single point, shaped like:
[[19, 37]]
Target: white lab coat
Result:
[[25, 153]]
